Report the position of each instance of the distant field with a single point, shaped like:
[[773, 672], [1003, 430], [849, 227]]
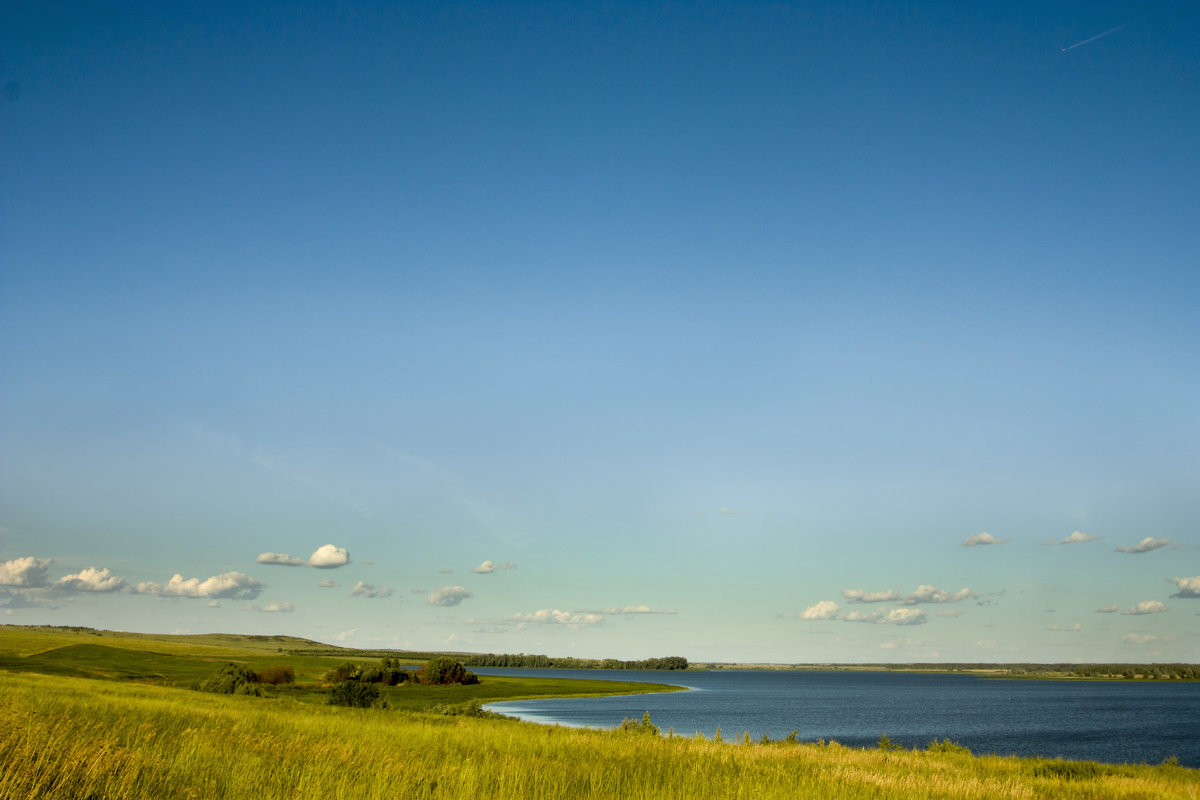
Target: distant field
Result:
[[111, 717]]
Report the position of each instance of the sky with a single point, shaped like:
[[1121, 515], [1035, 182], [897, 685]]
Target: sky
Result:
[[759, 332]]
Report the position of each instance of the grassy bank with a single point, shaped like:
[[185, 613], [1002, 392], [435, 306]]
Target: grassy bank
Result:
[[81, 738]]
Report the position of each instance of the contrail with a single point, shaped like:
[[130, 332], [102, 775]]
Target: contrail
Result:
[[1106, 33]]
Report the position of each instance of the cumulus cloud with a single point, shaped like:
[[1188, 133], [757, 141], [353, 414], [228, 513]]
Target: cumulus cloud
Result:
[[895, 616], [326, 556], [1145, 607], [279, 559], [368, 590], [231, 585], [859, 596], [1145, 545], [329, 557], [979, 539], [25, 573], [552, 616], [1078, 537], [1138, 638], [923, 594], [1108, 609], [327, 584], [91, 579], [489, 566], [826, 609], [273, 608], [1074, 627], [1189, 588], [448, 596]]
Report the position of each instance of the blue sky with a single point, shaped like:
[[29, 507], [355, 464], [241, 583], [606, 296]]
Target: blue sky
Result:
[[606, 329]]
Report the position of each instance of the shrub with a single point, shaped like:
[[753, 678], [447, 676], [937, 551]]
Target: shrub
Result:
[[946, 746], [231, 679], [342, 672], [277, 675], [645, 726], [886, 743], [444, 670], [355, 694], [471, 708]]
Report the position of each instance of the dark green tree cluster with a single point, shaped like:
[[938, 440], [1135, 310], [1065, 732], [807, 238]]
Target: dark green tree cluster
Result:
[[529, 661], [356, 694], [443, 670], [231, 678]]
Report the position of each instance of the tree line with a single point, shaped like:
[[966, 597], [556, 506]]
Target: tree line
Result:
[[535, 661]]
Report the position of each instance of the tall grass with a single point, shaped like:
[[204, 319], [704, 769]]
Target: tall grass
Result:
[[80, 738]]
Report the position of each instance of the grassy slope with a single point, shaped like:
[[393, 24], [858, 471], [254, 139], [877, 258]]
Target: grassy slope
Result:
[[179, 663], [79, 738], [139, 734]]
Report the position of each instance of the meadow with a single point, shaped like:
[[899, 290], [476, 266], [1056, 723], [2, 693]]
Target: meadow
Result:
[[67, 735]]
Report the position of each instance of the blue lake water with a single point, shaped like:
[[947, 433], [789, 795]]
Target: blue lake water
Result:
[[1116, 722]]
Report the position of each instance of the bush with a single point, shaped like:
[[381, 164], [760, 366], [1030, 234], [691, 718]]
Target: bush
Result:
[[946, 746], [886, 743], [277, 675], [355, 694], [231, 679], [645, 726], [471, 708], [342, 672], [443, 670]]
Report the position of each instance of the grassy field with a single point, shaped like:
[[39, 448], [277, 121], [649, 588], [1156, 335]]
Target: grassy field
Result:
[[144, 735]]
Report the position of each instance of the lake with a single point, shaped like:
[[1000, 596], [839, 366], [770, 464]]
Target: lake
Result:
[[1110, 721]]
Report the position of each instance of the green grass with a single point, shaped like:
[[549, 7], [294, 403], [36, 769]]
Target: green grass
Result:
[[72, 738], [90, 717]]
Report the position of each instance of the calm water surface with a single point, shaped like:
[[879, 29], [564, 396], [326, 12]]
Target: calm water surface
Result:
[[1118, 721]]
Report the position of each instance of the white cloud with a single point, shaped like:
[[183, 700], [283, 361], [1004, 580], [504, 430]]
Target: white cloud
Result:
[[1145, 607], [639, 609], [1078, 537], [1145, 545], [489, 566], [923, 594], [368, 590], [28, 572], [1138, 638], [327, 584], [826, 609], [231, 585], [1189, 588], [904, 616], [1108, 609], [859, 596], [1075, 627], [979, 539], [346, 635], [91, 579], [555, 617], [279, 559], [329, 557], [986, 644], [273, 608], [448, 596]]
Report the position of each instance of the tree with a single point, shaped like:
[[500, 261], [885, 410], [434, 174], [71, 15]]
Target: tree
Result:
[[444, 670]]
